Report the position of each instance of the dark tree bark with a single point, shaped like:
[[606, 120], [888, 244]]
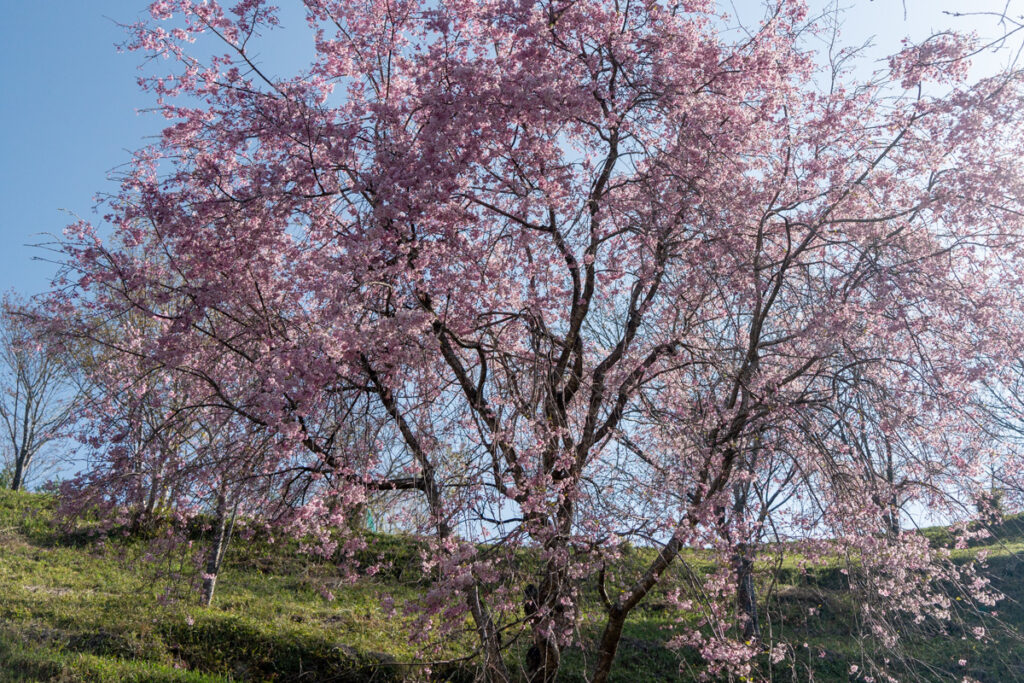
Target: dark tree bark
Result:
[[746, 595]]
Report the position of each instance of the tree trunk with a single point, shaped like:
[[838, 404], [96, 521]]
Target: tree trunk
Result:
[[356, 518], [543, 659], [494, 665], [893, 516], [620, 609], [215, 556], [19, 474], [746, 596], [150, 509], [547, 617], [609, 644]]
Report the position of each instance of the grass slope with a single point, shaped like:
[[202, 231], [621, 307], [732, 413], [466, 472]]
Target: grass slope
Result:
[[75, 609]]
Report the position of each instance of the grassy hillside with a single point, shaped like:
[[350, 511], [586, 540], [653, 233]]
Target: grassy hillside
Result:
[[76, 609]]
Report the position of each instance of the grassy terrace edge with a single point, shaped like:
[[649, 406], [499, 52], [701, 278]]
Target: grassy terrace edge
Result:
[[76, 609]]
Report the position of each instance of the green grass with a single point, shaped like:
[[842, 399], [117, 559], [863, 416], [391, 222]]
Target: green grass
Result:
[[76, 609]]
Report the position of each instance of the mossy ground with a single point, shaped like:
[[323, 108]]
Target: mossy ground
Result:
[[76, 609]]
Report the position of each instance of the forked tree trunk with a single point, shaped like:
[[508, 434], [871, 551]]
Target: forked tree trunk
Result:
[[215, 557], [619, 609], [746, 605]]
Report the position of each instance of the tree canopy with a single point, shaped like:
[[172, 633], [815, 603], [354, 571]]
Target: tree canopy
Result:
[[571, 276]]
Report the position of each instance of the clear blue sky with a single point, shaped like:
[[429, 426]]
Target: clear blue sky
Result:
[[69, 106], [68, 116]]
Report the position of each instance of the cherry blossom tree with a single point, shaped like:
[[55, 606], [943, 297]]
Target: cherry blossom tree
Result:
[[158, 462], [594, 271]]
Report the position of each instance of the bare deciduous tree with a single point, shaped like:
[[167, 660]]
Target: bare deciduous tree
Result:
[[36, 394]]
